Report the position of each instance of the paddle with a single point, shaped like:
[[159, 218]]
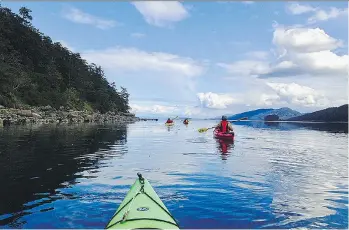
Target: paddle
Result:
[[205, 129]]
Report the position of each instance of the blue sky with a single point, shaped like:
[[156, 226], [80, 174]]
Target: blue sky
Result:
[[204, 59]]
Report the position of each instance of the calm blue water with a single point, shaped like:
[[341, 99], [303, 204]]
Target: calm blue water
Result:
[[272, 176]]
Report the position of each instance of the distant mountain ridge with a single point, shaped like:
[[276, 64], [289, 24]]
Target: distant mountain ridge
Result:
[[248, 114], [259, 114], [283, 113], [333, 114]]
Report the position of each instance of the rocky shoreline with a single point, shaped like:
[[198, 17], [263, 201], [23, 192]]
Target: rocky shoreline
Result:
[[47, 115]]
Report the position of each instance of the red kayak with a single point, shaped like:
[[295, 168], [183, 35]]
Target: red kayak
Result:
[[223, 136]]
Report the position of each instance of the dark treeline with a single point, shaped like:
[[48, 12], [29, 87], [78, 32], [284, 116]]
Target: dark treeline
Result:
[[339, 114], [36, 71]]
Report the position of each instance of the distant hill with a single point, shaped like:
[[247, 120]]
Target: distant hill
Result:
[[283, 114], [259, 114], [248, 114], [272, 117], [326, 115]]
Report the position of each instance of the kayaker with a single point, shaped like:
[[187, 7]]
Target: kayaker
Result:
[[186, 121], [169, 120], [224, 126]]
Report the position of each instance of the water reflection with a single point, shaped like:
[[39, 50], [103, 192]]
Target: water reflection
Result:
[[328, 127], [225, 146], [75, 177], [302, 187], [35, 161], [272, 124]]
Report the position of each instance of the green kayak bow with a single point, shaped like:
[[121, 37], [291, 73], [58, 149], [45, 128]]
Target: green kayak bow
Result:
[[142, 208]]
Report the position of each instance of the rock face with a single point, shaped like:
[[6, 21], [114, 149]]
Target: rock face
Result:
[[47, 114], [272, 117]]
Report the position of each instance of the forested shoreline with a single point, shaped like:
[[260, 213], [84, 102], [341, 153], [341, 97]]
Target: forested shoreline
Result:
[[332, 114], [36, 72]]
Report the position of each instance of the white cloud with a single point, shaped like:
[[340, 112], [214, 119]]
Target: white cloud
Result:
[[171, 109], [143, 108], [302, 51], [161, 13], [162, 75], [134, 60], [276, 94], [295, 94], [154, 109], [137, 35], [267, 100], [78, 16], [296, 8], [302, 54], [246, 67], [307, 51], [322, 15], [264, 95], [304, 40], [317, 13], [215, 101], [322, 63], [267, 94]]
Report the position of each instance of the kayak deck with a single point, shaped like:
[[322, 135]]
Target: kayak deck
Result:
[[142, 208]]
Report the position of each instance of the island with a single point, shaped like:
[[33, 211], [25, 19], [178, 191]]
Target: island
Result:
[[44, 82]]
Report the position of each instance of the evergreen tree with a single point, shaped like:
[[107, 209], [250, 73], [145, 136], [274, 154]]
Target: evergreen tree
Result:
[[36, 71]]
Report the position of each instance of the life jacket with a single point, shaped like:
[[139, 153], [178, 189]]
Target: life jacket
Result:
[[169, 121], [224, 126]]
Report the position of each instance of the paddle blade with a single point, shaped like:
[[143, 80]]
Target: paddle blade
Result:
[[202, 130]]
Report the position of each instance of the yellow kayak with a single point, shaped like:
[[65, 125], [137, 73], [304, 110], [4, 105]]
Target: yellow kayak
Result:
[[169, 124]]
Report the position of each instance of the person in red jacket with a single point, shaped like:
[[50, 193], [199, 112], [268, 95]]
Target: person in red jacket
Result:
[[169, 120], [225, 126]]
